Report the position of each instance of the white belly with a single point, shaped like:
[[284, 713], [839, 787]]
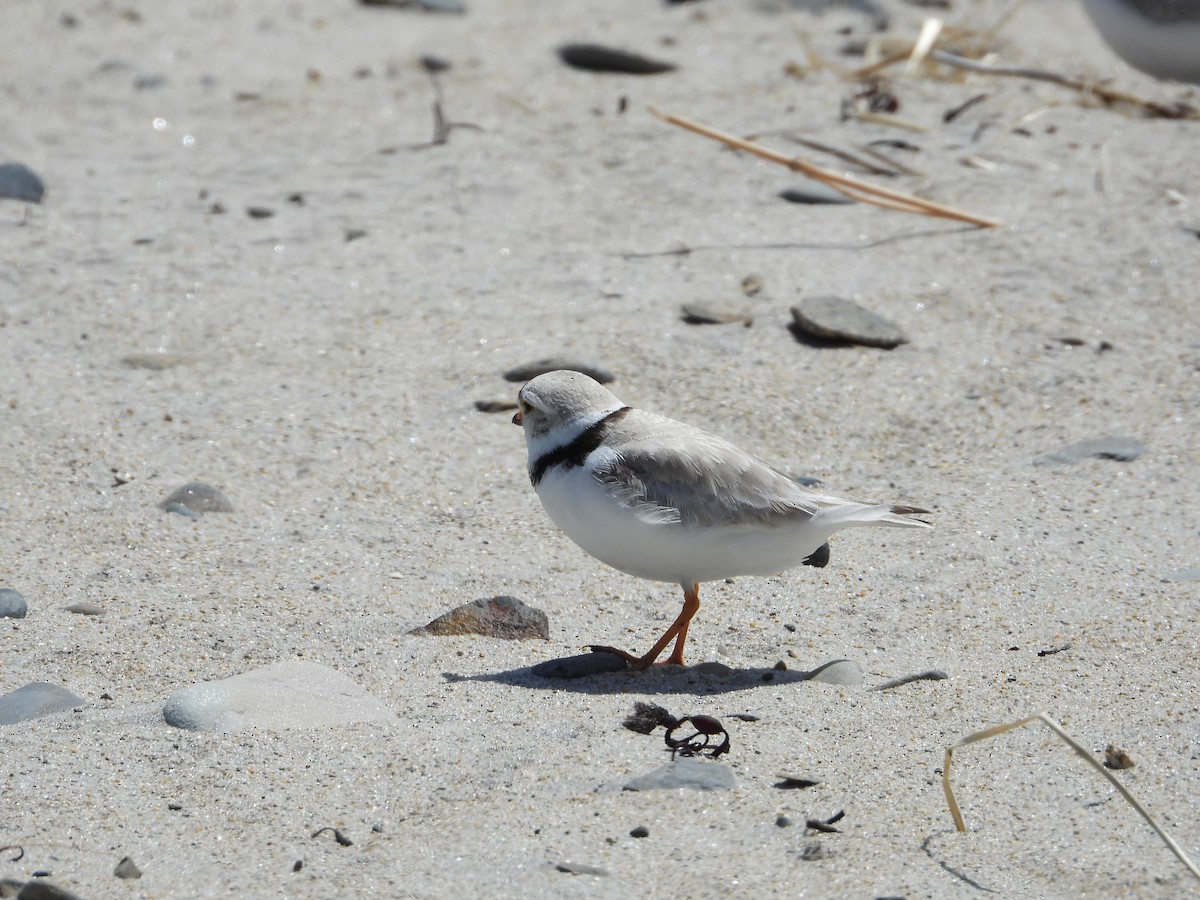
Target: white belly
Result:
[[616, 535]]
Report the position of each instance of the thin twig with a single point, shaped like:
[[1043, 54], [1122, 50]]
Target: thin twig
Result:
[[1107, 94], [846, 184], [1081, 751]]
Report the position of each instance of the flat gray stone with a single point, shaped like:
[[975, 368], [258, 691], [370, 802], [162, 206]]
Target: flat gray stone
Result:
[[294, 694], [36, 700], [1123, 449], [19, 182], [838, 319], [685, 772], [12, 604], [839, 671]]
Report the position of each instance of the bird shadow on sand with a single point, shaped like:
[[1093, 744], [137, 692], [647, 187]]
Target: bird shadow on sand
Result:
[[701, 679]]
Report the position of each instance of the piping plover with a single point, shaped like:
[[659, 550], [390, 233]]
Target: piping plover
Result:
[[1160, 37], [668, 502]]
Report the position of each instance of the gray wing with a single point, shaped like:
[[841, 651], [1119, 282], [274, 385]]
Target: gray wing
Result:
[[703, 481]]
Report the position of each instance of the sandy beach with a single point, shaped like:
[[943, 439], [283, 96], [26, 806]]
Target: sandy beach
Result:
[[253, 269]]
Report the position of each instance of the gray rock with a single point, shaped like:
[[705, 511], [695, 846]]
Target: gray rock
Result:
[[35, 700], [127, 868], [19, 182], [839, 671], [685, 772], [499, 617], [1123, 449], [580, 666], [12, 604], [294, 694], [199, 498], [838, 319], [555, 363]]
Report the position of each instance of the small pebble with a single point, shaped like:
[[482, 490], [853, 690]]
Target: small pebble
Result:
[[837, 319], [154, 361], [12, 604], [126, 868], [580, 869], [199, 498], [811, 191], [597, 58], [19, 182], [640, 831], [783, 821], [698, 314], [1116, 758], [499, 617], [795, 782], [259, 212], [839, 671], [527, 371], [751, 285], [1122, 449], [86, 609], [434, 64]]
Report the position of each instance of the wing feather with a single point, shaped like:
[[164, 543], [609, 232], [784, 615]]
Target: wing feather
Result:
[[699, 479]]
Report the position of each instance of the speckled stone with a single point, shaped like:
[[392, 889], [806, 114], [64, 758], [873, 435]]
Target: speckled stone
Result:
[[499, 617]]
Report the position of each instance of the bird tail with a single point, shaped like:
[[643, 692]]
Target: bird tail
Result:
[[851, 515]]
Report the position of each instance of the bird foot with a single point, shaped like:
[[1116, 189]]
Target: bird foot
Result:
[[636, 663]]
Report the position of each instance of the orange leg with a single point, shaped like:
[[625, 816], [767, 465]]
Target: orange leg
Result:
[[677, 632]]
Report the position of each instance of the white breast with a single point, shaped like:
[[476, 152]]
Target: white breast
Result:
[[615, 534]]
